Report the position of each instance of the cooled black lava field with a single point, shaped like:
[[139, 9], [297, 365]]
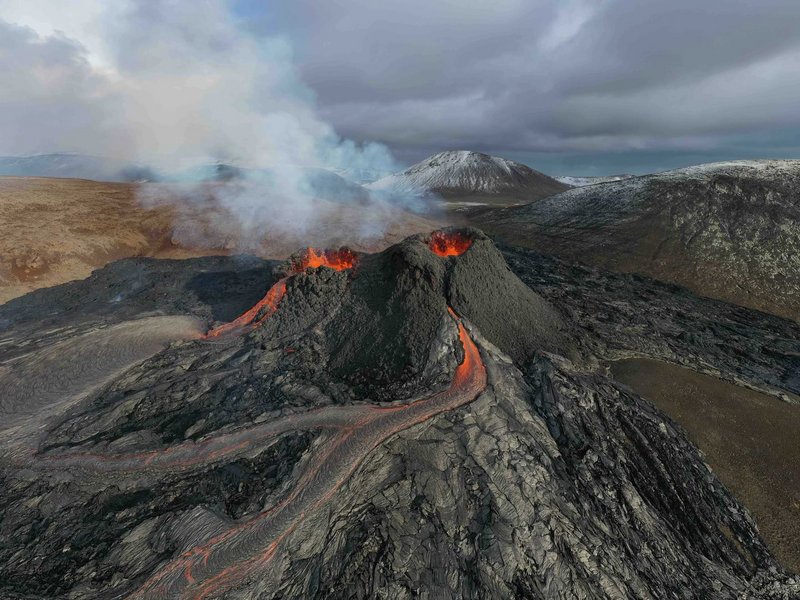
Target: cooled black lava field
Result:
[[433, 421]]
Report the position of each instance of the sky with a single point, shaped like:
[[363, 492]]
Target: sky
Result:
[[581, 87]]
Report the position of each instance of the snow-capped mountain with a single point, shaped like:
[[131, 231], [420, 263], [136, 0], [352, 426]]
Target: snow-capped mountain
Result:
[[584, 181], [465, 174]]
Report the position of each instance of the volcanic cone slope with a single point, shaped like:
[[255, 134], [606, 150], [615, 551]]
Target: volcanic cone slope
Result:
[[392, 307], [379, 432]]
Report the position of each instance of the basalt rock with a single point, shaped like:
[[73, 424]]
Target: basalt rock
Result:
[[625, 316], [396, 298]]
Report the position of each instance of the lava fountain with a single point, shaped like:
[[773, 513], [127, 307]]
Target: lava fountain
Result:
[[449, 243], [339, 260]]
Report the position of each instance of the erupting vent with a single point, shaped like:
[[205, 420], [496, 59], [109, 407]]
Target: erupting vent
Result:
[[449, 243], [340, 259]]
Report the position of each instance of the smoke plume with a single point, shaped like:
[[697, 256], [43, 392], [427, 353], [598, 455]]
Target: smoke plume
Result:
[[181, 87]]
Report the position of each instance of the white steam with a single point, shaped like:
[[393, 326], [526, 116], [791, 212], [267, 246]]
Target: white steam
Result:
[[175, 85]]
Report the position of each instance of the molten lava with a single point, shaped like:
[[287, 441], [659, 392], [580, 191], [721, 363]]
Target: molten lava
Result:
[[340, 259], [269, 304], [471, 362], [449, 243]]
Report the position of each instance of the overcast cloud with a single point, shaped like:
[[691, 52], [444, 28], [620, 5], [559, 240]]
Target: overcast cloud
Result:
[[584, 85]]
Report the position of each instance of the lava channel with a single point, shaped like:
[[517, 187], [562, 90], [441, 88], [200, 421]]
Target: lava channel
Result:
[[223, 562], [339, 260], [449, 243], [250, 319]]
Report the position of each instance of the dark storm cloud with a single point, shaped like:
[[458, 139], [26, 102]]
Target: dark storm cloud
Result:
[[550, 75], [260, 81], [166, 82]]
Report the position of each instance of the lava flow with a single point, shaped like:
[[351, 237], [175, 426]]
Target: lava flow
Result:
[[268, 304], [339, 260], [449, 243], [247, 548]]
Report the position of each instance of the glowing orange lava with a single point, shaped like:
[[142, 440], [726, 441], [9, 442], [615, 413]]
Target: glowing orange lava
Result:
[[472, 359], [449, 243], [269, 304], [340, 259]]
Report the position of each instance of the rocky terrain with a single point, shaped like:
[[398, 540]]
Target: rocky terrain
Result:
[[628, 316], [429, 421], [57, 230], [470, 177], [747, 437], [729, 375], [726, 230]]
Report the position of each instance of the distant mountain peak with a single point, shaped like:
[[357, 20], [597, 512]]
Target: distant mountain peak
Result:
[[468, 173]]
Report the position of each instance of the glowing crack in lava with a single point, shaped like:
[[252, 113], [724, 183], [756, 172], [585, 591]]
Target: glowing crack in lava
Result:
[[246, 549], [449, 243], [338, 260]]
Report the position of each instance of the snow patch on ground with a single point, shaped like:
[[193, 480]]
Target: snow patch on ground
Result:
[[584, 181]]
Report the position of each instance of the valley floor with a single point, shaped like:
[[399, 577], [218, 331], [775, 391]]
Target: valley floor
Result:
[[748, 438]]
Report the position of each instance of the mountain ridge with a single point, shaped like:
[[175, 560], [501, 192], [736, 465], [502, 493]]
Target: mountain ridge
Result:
[[728, 230]]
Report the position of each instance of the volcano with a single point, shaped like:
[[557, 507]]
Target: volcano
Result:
[[414, 422], [338, 260]]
